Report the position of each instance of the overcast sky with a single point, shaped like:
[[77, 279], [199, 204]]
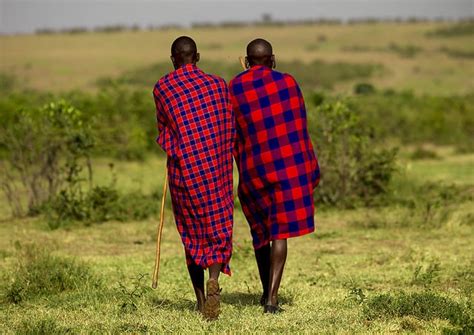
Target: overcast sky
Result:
[[23, 16]]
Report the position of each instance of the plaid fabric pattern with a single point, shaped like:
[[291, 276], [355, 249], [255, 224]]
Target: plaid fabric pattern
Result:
[[196, 129], [277, 165]]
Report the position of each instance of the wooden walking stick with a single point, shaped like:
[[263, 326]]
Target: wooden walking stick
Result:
[[242, 62], [158, 236]]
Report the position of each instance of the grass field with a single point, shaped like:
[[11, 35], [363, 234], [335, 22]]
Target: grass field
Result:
[[413, 59], [404, 264], [330, 285]]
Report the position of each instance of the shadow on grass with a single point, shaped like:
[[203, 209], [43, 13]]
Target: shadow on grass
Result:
[[232, 298], [179, 304], [251, 299], [241, 299]]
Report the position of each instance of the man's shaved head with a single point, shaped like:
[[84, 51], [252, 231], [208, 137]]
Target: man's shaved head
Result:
[[184, 51], [259, 48], [260, 52]]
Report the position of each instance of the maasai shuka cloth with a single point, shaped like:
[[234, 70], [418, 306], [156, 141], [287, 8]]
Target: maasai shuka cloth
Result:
[[196, 129], [278, 168]]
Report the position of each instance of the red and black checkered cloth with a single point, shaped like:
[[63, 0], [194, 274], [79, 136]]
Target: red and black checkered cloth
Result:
[[196, 129], [277, 165]]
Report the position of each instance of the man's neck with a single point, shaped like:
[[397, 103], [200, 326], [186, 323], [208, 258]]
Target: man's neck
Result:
[[184, 64]]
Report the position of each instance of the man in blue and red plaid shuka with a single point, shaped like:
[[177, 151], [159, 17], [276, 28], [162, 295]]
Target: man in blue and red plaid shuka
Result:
[[278, 168], [196, 129]]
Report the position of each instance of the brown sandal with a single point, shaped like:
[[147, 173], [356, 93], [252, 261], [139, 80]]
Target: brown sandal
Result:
[[211, 308]]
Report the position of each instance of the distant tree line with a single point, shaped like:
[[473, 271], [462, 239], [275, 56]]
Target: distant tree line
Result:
[[463, 25]]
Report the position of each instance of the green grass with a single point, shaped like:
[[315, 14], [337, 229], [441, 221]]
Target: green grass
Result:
[[361, 272], [451, 169]]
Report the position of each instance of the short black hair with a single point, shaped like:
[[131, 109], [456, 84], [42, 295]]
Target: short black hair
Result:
[[184, 47]]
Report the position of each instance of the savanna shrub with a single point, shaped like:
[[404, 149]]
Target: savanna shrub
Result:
[[7, 82], [317, 98], [69, 205], [434, 208], [125, 123], [422, 153], [352, 169], [406, 51], [418, 119], [100, 204], [463, 28], [45, 149], [364, 88]]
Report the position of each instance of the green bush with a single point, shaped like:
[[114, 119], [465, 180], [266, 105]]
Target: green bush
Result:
[[418, 119], [100, 204], [458, 53], [352, 170], [45, 149], [39, 273], [425, 205], [434, 208], [460, 29], [465, 147], [7, 83], [326, 75], [364, 88], [422, 153], [64, 208], [317, 98], [407, 51], [137, 206], [124, 120]]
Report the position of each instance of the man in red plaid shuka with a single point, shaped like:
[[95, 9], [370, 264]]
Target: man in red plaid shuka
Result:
[[278, 168], [196, 126]]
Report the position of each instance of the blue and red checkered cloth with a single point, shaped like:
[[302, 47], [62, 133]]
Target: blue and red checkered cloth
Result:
[[196, 129], [277, 165]]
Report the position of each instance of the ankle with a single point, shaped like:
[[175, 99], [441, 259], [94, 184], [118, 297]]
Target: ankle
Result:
[[272, 300]]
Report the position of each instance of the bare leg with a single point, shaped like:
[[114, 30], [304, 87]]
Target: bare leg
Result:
[[278, 258], [197, 278], [262, 256], [215, 270]]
